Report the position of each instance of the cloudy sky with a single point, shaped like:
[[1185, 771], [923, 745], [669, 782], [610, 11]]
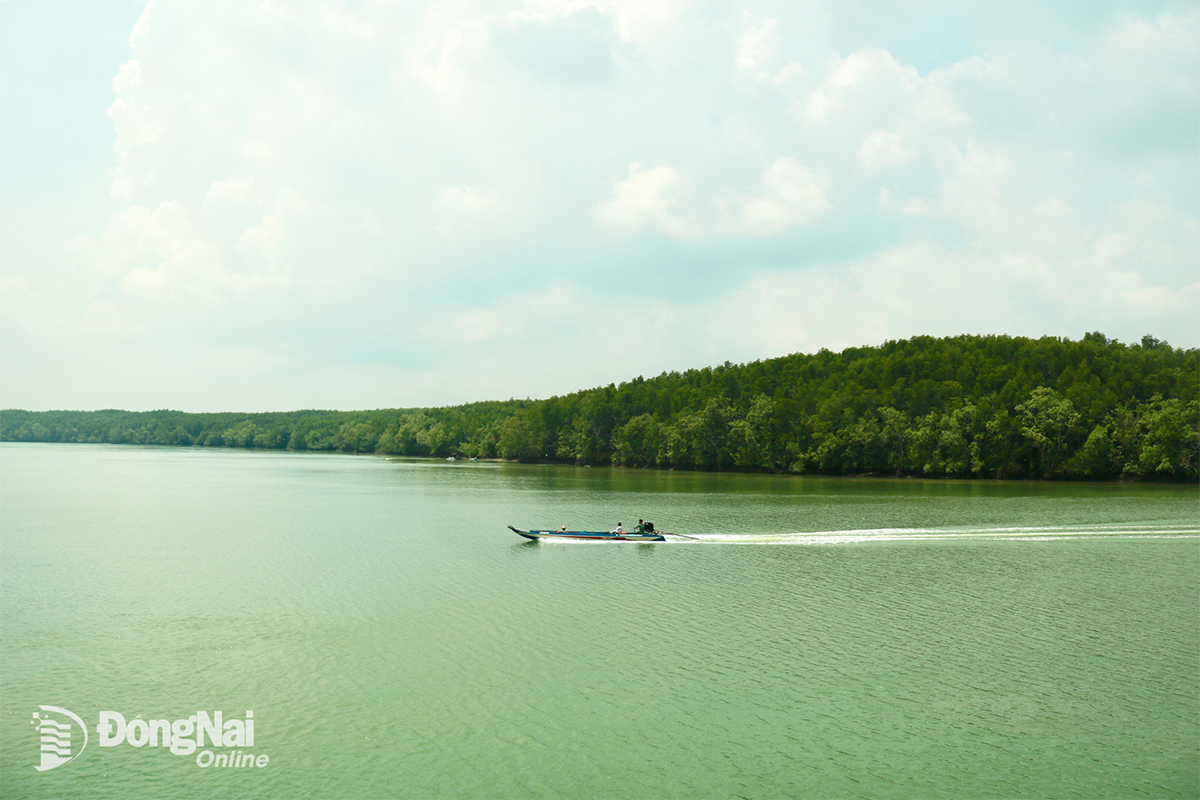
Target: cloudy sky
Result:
[[225, 205]]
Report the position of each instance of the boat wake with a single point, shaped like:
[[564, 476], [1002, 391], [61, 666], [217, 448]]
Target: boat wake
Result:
[[1147, 530]]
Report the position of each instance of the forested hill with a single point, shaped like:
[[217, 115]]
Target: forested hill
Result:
[[988, 406]]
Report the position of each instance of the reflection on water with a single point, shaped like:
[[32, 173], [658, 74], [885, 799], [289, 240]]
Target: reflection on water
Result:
[[394, 639]]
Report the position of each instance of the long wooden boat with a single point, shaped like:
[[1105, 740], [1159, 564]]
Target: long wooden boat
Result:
[[590, 536]]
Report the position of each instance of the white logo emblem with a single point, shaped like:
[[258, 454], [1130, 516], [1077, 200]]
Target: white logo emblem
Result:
[[56, 737]]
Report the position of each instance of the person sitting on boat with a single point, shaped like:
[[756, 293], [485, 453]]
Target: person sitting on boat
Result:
[[563, 529], [641, 527], [618, 529]]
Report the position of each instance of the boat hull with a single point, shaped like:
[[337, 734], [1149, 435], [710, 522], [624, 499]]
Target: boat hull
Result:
[[588, 536]]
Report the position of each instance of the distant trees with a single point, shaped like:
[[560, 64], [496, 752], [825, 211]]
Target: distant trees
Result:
[[522, 436], [985, 406], [1048, 421]]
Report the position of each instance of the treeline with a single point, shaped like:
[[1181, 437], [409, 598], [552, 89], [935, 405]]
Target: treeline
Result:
[[470, 430], [982, 406]]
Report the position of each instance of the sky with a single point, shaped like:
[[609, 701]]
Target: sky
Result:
[[234, 206]]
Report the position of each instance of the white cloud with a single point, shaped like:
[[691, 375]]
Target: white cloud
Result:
[[636, 20], [542, 309], [236, 189], [655, 199], [792, 195], [1128, 291], [647, 198], [797, 172], [142, 29], [881, 149], [107, 320], [155, 253], [868, 83], [1111, 249], [756, 45], [755, 50], [1051, 207], [264, 238], [458, 206], [446, 52]]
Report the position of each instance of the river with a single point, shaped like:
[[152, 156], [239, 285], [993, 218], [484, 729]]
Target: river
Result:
[[388, 636]]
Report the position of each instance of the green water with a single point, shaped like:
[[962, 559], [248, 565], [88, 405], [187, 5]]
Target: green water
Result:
[[826, 638]]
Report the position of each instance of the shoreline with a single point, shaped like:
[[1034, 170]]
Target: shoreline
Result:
[[876, 476]]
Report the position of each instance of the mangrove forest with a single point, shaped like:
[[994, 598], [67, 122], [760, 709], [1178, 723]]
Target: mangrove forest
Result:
[[965, 406]]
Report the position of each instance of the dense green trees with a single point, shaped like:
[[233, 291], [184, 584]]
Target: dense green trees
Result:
[[463, 430], [986, 406]]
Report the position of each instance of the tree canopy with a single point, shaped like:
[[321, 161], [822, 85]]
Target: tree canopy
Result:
[[983, 406]]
